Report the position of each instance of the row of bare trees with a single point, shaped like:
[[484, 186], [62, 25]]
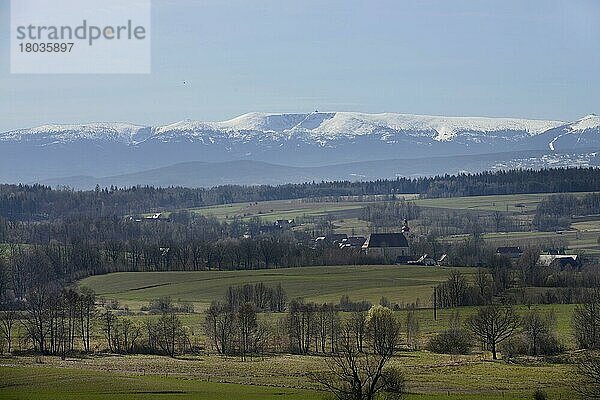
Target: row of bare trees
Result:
[[264, 297], [236, 331], [55, 320]]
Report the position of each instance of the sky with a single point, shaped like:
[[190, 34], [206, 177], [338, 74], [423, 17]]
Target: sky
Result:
[[526, 59]]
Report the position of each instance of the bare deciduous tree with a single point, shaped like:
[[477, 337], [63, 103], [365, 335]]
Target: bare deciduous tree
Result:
[[171, 334], [484, 284], [301, 318], [87, 313], [412, 329], [586, 322], [219, 327], [588, 384], [108, 321], [494, 324], [352, 375], [358, 326], [7, 323], [538, 328], [247, 326]]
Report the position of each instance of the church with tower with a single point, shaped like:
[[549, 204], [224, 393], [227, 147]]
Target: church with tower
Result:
[[390, 246]]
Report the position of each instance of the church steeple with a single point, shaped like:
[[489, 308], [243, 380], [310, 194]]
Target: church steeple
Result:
[[405, 227]]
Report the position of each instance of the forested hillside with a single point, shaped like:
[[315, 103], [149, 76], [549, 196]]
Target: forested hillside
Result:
[[38, 202]]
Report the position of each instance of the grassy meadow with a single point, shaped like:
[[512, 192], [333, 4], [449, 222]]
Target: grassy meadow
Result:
[[511, 202], [276, 209], [51, 383], [429, 376], [281, 376], [400, 284]]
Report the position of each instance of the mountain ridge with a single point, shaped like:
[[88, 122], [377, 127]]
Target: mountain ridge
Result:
[[288, 139], [330, 125]]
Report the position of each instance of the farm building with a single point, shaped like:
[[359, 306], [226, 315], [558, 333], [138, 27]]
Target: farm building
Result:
[[509, 251], [423, 260], [335, 238], [353, 242], [387, 245], [155, 216], [444, 260], [285, 223], [559, 261]]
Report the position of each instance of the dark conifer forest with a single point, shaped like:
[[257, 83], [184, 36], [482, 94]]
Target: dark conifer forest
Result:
[[38, 202]]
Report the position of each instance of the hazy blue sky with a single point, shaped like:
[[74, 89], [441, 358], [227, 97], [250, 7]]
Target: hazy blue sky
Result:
[[536, 59]]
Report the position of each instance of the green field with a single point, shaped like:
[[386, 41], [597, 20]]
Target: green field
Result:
[[487, 203], [429, 376], [400, 284], [276, 209], [283, 376], [582, 237], [519, 203], [66, 383]]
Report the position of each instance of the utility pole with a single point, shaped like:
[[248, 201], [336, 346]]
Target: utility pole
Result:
[[435, 303]]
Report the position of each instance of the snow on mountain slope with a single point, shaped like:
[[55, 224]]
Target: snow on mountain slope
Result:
[[344, 123], [319, 128], [588, 122], [582, 132], [49, 134], [439, 128], [325, 127], [296, 139], [247, 127]]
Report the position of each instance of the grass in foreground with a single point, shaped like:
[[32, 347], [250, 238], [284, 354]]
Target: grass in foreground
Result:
[[429, 376], [62, 383]]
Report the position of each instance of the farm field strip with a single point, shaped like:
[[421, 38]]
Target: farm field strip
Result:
[[519, 203], [276, 209], [112, 382], [400, 284]]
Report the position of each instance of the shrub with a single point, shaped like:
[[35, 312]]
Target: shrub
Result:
[[540, 395], [451, 341], [394, 383], [514, 346], [519, 345], [454, 340]]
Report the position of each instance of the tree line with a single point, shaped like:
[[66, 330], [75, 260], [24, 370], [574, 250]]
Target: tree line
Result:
[[555, 212], [39, 202]]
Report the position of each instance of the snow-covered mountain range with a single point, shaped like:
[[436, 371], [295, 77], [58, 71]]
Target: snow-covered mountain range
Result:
[[295, 139], [317, 127]]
